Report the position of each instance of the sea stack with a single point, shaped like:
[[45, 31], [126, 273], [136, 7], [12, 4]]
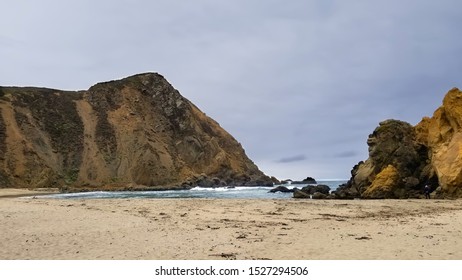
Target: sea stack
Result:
[[404, 158], [137, 132]]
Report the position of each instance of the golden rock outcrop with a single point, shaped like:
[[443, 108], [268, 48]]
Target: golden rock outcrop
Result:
[[384, 184], [442, 133], [403, 159]]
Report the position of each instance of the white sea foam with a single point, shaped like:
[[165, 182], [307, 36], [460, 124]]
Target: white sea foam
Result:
[[259, 192]]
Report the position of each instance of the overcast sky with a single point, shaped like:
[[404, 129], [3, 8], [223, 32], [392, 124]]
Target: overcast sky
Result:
[[301, 84]]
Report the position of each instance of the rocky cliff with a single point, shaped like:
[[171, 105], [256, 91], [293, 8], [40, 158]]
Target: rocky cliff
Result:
[[403, 158], [127, 134]]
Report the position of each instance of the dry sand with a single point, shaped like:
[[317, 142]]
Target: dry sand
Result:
[[229, 229]]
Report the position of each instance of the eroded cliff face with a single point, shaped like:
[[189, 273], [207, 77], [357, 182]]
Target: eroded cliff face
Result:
[[403, 158], [442, 133], [138, 131]]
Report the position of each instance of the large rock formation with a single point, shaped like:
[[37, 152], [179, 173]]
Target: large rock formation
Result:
[[403, 158], [442, 133], [314, 192], [138, 131]]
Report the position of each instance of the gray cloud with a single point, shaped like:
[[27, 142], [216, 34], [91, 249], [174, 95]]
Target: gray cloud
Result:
[[346, 154], [285, 78], [292, 159]]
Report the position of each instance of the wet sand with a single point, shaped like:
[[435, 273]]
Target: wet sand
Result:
[[9, 193], [165, 229]]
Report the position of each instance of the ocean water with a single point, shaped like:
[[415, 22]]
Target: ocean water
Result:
[[198, 192]]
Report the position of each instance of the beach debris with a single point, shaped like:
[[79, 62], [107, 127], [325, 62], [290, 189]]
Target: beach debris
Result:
[[229, 256], [242, 236], [363, 238], [274, 214], [337, 218], [213, 228]]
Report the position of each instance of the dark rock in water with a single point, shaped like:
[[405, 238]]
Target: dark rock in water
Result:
[[300, 194], [298, 183], [204, 182], [307, 180], [275, 180], [318, 195], [215, 182], [186, 186], [315, 192], [262, 181], [281, 189], [345, 191], [317, 188]]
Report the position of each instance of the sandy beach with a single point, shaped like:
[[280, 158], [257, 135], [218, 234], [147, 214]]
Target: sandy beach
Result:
[[43, 228]]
